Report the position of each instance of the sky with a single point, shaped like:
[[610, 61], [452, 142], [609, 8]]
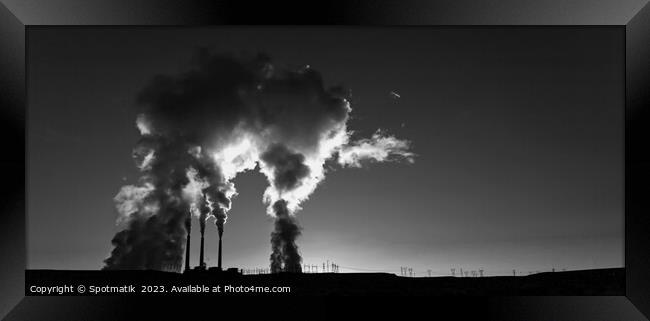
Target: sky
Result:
[[518, 132]]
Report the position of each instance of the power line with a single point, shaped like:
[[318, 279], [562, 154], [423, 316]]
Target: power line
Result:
[[330, 267], [365, 269]]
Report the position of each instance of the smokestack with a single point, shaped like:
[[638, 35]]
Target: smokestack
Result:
[[201, 263], [219, 223], [205, 210], [188, 228], [219, 252]]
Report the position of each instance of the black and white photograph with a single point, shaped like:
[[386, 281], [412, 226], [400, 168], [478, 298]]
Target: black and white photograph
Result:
[[446, 160], [328, 160]]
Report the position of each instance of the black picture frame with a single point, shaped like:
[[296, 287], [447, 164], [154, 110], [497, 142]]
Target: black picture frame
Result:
[[16, 16]]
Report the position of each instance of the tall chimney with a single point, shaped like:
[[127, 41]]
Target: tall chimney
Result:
[[201, 264], [220, 231], [220, 252], [188, 228]]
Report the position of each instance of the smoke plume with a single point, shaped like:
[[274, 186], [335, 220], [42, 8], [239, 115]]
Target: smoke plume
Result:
[[224, 116], [154, 211], [286, 171], [284, 251]]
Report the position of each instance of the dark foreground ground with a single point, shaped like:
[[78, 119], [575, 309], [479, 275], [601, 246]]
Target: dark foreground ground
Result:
[[586, 282]]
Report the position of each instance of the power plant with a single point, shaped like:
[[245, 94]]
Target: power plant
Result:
[[202, 265]]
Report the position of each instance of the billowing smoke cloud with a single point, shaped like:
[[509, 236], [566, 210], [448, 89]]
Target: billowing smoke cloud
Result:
[[284, 251], [286, 171], [154, 211], [378, 148], [224, 116]]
